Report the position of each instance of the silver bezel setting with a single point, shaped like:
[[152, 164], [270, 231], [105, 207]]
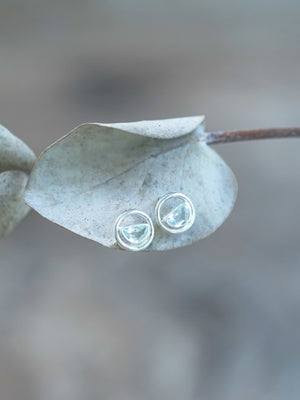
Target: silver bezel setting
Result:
[[160, 219], [121, 240]]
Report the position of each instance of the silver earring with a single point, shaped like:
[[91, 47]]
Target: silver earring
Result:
[[134, 230], [175, 212]]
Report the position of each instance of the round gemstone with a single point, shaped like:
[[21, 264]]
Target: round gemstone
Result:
[[135, 233], [175, 212], [134, 230]]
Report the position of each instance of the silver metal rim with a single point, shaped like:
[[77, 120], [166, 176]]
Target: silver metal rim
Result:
[[159, 219], [119, 237]]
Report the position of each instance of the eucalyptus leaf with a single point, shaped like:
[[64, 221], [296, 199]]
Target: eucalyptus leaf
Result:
[[88, 178], [14, 154], [16, 162]]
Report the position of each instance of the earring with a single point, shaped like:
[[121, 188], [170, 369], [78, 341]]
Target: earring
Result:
[[134, 230], [175, 212]]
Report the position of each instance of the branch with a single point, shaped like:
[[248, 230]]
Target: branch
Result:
[[236, 136]]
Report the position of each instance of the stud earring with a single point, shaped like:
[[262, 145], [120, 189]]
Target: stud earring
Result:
[[134, 230], [175, 212]]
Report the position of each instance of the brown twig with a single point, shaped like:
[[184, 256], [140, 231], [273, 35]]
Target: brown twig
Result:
[[236, 136]]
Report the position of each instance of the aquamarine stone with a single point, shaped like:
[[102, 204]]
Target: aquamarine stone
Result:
[[136, 234], [178, 217]]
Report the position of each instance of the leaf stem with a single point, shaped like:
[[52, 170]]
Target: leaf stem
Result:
[[253, 134]]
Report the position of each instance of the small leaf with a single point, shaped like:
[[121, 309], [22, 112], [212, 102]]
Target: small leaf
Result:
[[87, 179], [16, 161], [14, 154]]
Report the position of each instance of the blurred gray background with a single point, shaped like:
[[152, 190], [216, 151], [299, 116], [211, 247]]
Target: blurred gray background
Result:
[[216, 320]]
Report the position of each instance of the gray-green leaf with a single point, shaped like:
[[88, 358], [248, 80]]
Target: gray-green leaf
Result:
[[16, 161], [87, 179]]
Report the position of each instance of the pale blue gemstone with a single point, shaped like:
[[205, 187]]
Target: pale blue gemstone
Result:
[[178, 217], [136, 234]]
